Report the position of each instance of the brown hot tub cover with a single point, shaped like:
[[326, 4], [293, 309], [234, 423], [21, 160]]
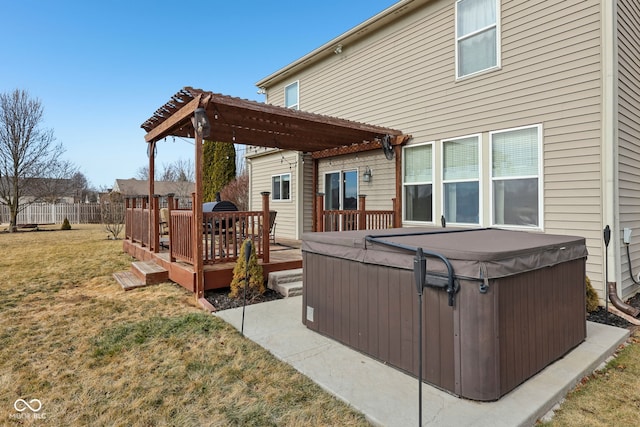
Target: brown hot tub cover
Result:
[[474, 254]]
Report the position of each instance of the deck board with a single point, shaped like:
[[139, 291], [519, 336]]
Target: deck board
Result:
[[285, 255]]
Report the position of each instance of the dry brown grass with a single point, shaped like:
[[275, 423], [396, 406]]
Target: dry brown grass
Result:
[[95, 355], [610, 397]]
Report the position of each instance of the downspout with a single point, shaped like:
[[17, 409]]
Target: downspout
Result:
[[609, 134]]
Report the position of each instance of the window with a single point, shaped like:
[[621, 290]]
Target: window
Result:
[[477, 36], [418, 182], [516, 183], [341, 190], [281, 187], [461, 180], [291, 96]]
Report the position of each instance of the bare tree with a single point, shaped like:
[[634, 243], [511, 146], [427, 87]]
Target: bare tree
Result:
[[112, 212], [26, 150], [80, 187], [237, 191], [179, 170], [57, 184]]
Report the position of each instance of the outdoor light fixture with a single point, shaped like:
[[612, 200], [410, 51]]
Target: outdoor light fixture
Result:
[[338, 49], [201, 122], [367, 175]]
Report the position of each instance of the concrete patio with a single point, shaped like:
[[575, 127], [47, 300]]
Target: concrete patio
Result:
[[389, 397]]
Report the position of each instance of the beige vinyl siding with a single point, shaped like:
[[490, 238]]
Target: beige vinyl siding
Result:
[[263, 167], [628, 38], [403, 76]]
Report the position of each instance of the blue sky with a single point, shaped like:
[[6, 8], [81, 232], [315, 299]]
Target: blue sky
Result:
[[100, 69]]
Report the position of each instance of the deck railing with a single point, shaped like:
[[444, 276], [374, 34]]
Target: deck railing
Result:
[[347, 220], [180, 232], [222, 233], [225, 232], [137, 221]]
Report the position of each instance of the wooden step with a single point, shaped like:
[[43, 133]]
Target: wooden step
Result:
[[149, 272], [128, 280]]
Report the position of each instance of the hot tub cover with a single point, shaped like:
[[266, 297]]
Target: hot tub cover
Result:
[[474, 253]]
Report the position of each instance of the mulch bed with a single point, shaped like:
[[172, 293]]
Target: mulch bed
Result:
[[601, 316], [221, 300]]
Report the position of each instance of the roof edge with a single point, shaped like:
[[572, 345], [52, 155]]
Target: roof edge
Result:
[[377, 21]]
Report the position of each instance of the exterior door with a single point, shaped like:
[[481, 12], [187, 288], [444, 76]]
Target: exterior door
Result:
[[341, 194]]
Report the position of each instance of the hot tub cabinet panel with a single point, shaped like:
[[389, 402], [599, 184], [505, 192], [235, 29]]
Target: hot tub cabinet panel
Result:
[[481, 348]]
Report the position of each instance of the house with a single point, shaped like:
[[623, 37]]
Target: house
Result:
[[37, 190], [522, 115], [137, 187]]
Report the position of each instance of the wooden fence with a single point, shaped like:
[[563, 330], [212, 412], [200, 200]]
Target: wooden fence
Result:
[[48, 213]]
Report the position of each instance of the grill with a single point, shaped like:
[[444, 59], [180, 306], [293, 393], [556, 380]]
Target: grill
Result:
[[223, 206]]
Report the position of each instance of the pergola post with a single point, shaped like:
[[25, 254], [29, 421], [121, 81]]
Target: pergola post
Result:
[[362, 220], [397, 211], [266, 222], [153, 224], [197, 222], [201, 127], [320, 212]]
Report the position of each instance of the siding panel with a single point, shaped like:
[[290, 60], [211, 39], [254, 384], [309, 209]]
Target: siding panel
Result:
[[403, 76], [629, 135]]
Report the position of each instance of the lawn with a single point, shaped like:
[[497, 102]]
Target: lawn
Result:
[[95, 355]]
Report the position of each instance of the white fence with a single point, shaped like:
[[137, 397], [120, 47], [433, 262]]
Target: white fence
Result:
[[47, 213]]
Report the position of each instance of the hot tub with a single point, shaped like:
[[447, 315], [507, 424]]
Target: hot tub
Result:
[[515, 302]]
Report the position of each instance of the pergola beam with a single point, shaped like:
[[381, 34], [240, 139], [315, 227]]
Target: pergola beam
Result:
[[165, 128]]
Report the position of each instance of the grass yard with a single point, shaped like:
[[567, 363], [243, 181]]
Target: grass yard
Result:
[[95, 355], [610, 397]]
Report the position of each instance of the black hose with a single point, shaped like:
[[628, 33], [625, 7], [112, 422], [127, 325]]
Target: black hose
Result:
[[629, 261]]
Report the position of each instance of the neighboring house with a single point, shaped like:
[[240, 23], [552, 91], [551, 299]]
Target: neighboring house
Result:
[[522, 114], [47, 190], [137, 187]]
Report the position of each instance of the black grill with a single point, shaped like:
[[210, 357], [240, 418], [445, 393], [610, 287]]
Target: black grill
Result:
[[223, 206]]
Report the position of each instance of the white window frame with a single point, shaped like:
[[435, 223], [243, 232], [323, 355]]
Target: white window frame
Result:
[[433, 184], [341, 176], [540, 178], [281, 175], [497, 26], [295, 106], [451, 181]]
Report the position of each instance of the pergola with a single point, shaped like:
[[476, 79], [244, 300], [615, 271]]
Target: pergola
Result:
[[199, 114]]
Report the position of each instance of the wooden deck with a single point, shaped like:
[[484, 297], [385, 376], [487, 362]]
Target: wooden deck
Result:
[[284, 255]]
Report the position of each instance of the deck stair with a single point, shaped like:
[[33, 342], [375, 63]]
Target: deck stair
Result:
[[149, 272], [142, 273], [287, 283]]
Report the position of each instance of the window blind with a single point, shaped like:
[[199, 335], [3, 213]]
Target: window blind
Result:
[[417, 164], [515, 153]]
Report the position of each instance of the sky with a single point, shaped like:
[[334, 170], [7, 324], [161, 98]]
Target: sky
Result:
[[100, 69]]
